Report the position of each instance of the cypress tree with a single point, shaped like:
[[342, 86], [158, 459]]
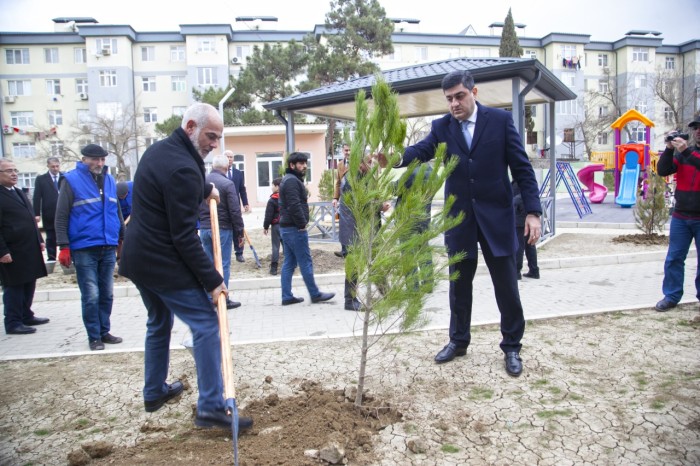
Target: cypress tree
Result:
[[510, 45]]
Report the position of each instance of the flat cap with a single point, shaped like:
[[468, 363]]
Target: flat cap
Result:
[[93, 150]]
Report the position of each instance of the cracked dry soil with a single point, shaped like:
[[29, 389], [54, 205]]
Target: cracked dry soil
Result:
[[617, 388]]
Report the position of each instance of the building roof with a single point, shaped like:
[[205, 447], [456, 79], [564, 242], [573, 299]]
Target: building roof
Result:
[[419, 88]]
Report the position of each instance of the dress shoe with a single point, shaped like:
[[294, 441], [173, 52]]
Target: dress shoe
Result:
[[322, 297], [514, 365], [531, 274], [294, 300], [240, 259], [232, 304], [111, 339], [36, 321], [449, 352], [353, 305], [174, 389], [96, 345], [273, 268], [221, 420], [20, 330], [665, 305]]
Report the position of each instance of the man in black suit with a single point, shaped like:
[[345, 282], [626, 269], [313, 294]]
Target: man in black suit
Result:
[[21, 262], [238, 179], [45, 198]]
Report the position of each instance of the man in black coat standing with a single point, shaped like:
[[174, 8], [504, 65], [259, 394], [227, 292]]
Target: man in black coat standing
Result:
[[164, 258], [238, 178], [45, 198], [21, 262]]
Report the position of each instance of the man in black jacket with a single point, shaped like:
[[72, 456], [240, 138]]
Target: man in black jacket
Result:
[[294, 215], [238, 178], [45, 198], [162, 255]]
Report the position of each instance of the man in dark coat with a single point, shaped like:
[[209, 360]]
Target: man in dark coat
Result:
[[238, 178], [21, 262], [162, 255], [488, 145], [45, 198]]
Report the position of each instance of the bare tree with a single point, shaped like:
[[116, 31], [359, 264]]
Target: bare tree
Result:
[[416, 129], [668, 88], [597, 118]]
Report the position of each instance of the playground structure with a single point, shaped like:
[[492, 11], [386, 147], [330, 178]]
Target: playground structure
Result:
[[596, 191], [630, 159]]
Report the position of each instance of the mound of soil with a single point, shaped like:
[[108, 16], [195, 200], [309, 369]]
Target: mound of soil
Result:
[[642, 239]]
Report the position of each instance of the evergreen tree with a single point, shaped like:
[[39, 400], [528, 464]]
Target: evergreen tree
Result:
[[382, 259], [650, 212], [510, 45]]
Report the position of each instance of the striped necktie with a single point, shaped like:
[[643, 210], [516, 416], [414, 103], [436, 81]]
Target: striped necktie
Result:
[[467, 133]]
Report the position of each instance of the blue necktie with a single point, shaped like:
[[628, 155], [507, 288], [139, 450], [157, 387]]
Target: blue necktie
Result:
[[467, 134], [55, 181]]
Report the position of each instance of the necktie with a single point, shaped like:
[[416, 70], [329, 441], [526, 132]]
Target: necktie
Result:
[[230, 174], [467, 134], [55, 181]]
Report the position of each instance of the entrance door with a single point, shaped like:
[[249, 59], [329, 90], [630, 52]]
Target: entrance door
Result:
[[268, 169]]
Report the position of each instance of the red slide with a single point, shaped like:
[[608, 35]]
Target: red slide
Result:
[[596, 191]]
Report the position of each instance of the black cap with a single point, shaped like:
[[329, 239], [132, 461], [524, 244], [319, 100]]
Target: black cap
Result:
[[695, 123], [93, 150], [122, 189]]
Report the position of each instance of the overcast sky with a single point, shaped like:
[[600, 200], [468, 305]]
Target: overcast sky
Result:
[[606, 20]]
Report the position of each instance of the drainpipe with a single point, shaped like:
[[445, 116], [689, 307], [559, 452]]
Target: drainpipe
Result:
[[221, 113], [289, 130]]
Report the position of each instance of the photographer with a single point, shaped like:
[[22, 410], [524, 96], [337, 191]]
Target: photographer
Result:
[[684, 161]]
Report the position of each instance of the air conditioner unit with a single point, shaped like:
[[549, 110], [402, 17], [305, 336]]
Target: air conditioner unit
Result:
[[7, 130], [9, 99], [83, 96], [235, 60], [106, 52]]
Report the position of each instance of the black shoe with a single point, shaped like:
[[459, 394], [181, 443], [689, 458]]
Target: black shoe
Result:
[[232, 304], [96, 345], [322, 297], [339, 254], [514, 365], [294, 300], [449, 352], [221, 420], [20, 330], [111, 339], [535, 275], [273, 268], [174, 389], [36, 321], [240, 259], [353, 305], [665, 305]]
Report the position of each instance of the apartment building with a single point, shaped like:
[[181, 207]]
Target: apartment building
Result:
[[57, 86]]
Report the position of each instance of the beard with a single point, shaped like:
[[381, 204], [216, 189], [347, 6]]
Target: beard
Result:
[[194, 139]]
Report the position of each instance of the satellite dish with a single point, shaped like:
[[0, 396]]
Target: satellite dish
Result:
[[557, 140]]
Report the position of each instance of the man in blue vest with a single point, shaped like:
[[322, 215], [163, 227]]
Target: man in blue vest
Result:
[[89, 227]]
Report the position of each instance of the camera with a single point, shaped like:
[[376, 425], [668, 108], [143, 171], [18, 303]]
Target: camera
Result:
[[676, 134]]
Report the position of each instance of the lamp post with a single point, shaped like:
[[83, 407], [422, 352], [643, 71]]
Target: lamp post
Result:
[[221, 113]]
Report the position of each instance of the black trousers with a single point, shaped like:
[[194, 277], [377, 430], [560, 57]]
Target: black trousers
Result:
[[529, 250], [505, 286], [51, 244], [18, 304]]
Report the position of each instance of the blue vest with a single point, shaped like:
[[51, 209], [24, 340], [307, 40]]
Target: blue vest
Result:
[[125, 204], [94, 217]]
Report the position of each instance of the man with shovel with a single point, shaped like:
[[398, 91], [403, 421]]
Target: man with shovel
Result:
[[162, 255]]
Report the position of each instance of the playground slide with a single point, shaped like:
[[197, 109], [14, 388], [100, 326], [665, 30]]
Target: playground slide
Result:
[[596, 191], [627, 196]]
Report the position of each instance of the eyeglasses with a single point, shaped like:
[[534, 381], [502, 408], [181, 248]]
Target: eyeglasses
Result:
[[10, 170]]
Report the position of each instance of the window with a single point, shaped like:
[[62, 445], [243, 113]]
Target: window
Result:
[[670, 63], [206, 44], [603, 111], [603, 86], [641, 108], [239, 162], [150, 141], [81, 86], [668, 114], [449, 52], [80, 55], [55, 117], [148, 53], [396, 55], [109, 45], [569, 135], [150, 114], [149, 83], [56, 148], [421, 53], [206, 77], [567, 107], [178, 83], [22, 119], [179, 111], [108, 78], [639, 134], [242, 52], [53, 86], [84, 117], [568, 51], [568, 78], [480, 52], [268, 168], [602, 138], [26, 180], [532, 137], [640, 54], [530, 54], [51, 55], [17, 56], [603, 59], [19, 87], [640, 82], [23, 150], [177, 53]]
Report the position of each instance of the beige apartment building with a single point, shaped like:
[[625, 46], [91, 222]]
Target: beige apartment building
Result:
[[56, 86]]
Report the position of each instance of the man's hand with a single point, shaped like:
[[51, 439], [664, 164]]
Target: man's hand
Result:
[[6, 259], [335, 203], [679, 144], [241, 241], [246, 208], [64, 257], [265, 232], [381, 159], [43, 247], [214, 194], [38, 219], [533, 229], [119, 249], [217, 291]]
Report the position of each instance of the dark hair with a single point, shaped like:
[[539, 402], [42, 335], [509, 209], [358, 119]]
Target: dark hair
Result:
[[295, 157], [276, 181], [455, 78]]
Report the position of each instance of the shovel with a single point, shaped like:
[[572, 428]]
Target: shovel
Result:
[[255, 254], [226, 359]]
